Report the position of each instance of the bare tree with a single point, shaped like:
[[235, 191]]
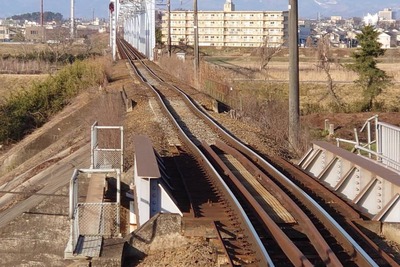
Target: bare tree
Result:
[[267, 51], [309, 41], [325, 58], [58, 42]]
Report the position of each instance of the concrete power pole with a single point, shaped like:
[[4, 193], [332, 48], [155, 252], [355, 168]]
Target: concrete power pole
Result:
[[196, 42], [72, 30], [169, 28], [294, 110], [43, 30], [41, 14], [115, 27]]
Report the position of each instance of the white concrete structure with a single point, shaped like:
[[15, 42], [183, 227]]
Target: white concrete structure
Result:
[[229, 6], [151, 187], [228, 28], [386, 15]]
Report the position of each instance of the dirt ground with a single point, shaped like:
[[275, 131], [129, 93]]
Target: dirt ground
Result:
[[38, 237], [345, 123]]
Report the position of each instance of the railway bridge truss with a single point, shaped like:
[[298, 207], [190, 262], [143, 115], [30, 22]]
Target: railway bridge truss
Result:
[[135, 20]]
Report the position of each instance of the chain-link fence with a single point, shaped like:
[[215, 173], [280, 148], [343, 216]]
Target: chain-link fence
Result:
[[98, 219], [107, 158], [107, 147]]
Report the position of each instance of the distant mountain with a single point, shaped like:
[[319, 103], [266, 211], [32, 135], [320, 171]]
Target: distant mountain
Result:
[[35, 16]]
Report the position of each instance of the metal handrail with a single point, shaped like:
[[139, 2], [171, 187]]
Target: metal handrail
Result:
[[378, 155]]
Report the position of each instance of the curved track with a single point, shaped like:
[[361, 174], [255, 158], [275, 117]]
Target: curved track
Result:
[[260, 209]]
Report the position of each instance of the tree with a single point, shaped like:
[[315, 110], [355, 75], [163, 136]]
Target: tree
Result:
[[309, 42], [35, 16], [324, 59], [159, 36], [18, 37], [59, 44], [371, 79], [267, 51]]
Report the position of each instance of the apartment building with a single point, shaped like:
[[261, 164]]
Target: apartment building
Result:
[[228, 28], [35, 34], [386, 15], [4, 33]]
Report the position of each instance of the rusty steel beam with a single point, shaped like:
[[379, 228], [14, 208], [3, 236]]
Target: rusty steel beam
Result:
[[373, 245], [319, 243], [230, 262], [287, 246]]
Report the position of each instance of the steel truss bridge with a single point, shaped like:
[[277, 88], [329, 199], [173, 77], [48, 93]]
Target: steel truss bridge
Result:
[[135, 19]]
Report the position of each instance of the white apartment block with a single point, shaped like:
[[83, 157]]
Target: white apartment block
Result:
[[4, 33], [386, 14], [228, 28]]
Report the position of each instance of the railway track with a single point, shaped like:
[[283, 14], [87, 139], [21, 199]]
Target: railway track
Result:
[[260, 210]]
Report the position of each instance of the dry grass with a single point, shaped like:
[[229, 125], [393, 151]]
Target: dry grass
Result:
[[98, 42], [20, 48], [308, 70], [262, 96], [314, 96], [11, 83]]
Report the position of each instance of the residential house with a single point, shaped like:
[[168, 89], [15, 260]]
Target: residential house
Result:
[[394, 37], [384, 39]]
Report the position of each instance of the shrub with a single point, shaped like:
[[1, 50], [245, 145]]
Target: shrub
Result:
[[26, 110]]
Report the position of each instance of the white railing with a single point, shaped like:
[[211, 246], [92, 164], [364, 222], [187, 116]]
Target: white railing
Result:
[[386, 142], [103, 157]]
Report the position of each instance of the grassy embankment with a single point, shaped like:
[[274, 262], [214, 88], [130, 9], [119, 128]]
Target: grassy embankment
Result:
[[29, 108], [38, 80]]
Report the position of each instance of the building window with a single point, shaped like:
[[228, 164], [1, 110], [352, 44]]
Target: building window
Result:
[[34, 32]]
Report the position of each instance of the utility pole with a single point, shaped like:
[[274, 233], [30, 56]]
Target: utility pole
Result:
[[169, 28], [113, 7], [114, 48], [41, 14], [43, 30], [294, 110], [72, 30], [196, 42]]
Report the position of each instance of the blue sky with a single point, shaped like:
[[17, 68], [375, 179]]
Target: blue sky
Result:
[[307, 8]]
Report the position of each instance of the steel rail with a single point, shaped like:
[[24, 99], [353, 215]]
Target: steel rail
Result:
[[262, 254], [291, 251], [319, 243], [346, 240], [230, 261]]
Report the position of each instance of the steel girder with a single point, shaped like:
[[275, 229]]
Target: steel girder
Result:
[[138, 20]]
